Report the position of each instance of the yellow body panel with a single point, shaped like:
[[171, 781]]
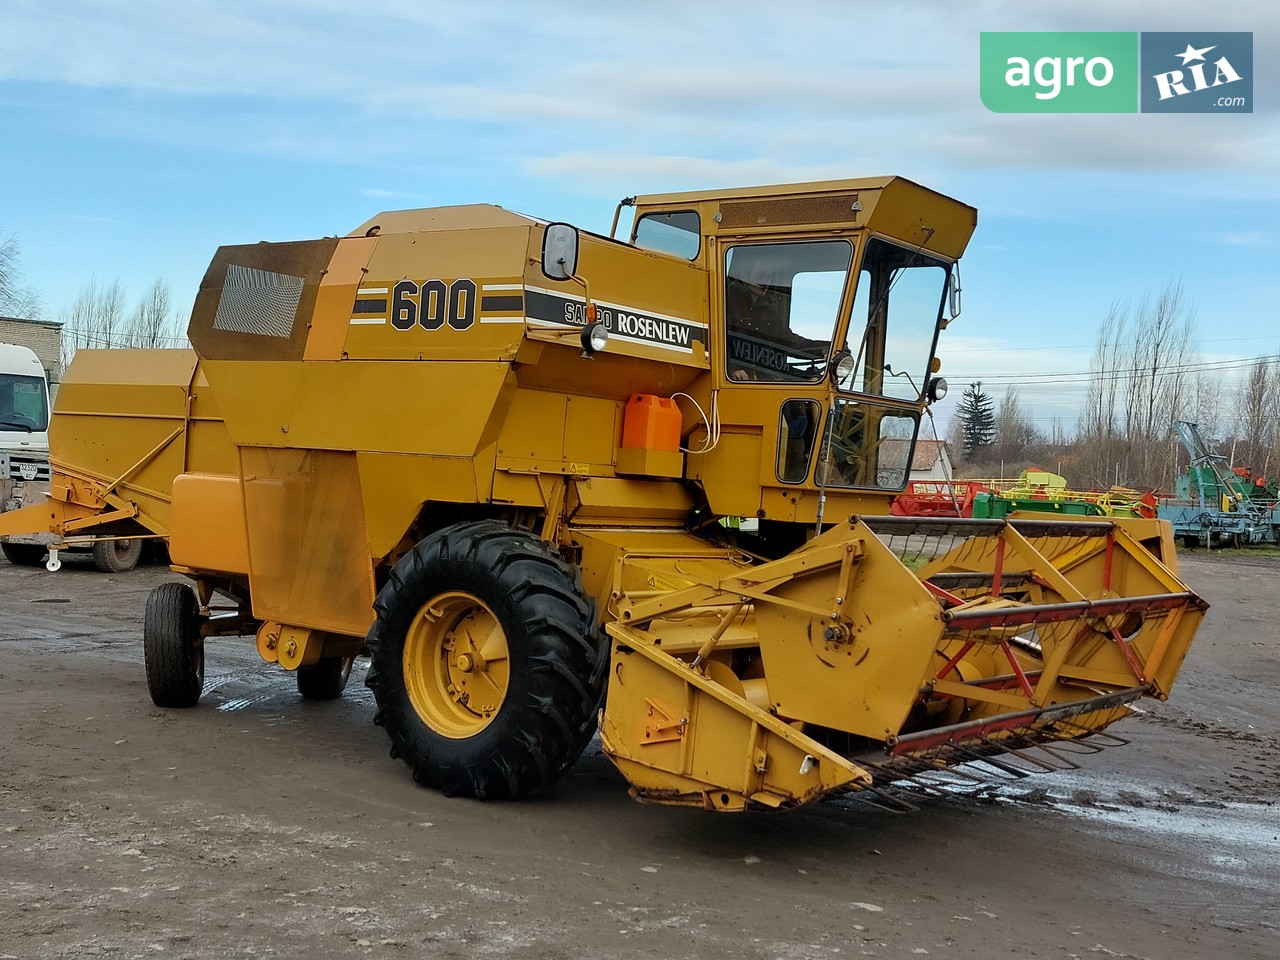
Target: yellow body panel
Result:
[[308, 551], [208, 528]]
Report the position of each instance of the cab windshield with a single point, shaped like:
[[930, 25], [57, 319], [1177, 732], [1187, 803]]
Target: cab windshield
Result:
[[782, 301], [23, 403], [899, 299]]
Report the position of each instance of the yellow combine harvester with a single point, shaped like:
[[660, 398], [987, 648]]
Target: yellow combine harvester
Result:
[[506, 458]]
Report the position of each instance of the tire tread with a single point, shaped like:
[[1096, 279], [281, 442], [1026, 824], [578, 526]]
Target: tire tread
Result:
[[538, 734], [172, 649]]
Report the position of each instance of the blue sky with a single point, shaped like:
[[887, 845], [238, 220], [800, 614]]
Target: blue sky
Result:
[[138, 137]]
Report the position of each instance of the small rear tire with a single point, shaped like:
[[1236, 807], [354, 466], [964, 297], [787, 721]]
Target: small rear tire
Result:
[[116, 556], [325, 679], [172, 647], [24, 554]]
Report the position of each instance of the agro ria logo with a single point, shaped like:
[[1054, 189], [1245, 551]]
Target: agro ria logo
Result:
[[1201, 72], [1194, 75]]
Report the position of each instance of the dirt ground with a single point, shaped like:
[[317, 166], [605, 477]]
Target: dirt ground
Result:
[[260, 824]]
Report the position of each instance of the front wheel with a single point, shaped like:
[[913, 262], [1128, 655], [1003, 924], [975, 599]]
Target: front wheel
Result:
[[172, 647], [484, 662]]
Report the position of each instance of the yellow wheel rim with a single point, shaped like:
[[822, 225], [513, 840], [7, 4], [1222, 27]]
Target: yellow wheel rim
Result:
[[456, 665]]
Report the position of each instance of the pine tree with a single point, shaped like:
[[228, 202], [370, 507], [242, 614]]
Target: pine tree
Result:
[[977, 419]]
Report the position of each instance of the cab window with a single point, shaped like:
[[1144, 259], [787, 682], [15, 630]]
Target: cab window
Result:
[[781, 303], [678, 233], [898, 305]]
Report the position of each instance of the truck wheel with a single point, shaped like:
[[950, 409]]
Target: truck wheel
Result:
[[484, 662], [24, 554], [172, 647], [325, 679], [116, 556]]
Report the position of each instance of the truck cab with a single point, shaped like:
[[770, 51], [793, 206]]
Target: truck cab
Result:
[[24, 444]]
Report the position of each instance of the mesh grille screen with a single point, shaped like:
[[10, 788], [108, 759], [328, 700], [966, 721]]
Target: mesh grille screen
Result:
[[258, 301], [799, 210]]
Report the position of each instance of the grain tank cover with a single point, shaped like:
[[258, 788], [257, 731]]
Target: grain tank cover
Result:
[[469, 216]]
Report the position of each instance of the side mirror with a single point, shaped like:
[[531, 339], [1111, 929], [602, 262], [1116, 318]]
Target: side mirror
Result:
[[560, 251], [953, 295]]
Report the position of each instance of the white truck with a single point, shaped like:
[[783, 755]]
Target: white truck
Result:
[[24, 463], [24, 445]]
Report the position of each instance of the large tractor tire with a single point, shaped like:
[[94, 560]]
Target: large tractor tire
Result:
[[485, 662], [116, 556], [24, 554], [172, 647], [325, 679]]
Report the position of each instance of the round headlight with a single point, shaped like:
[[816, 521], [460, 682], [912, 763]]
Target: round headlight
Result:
[[594, 337], [937, 389], [844, 367]]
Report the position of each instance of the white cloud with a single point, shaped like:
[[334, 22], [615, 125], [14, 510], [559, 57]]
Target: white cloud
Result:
[[814, 85], [316, 106], [1251, 238]]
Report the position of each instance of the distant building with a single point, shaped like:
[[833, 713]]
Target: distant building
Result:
[[931, 460], [43, 337]]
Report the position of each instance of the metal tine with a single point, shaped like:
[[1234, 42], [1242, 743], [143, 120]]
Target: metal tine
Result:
[[919, 782], [1079, 748], [898, 772], [951, 782], [1091, 741], [1103, 735], [1067, 762], [958, 774], [946, 754], [979, 757], [909, 767], [948, 782], [888, 800], [1023, 752]]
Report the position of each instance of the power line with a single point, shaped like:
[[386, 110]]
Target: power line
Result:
[[1122, 373], [1089, 346], [91, 340]]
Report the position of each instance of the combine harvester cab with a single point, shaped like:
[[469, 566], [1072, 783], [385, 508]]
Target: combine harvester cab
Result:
[[509, 460]]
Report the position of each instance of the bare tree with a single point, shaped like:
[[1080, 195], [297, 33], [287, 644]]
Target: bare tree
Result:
[[1256, 404], [1206, 404], [152, 323], [1161, 349], [94, 319], [1058, 433], [1098, 430], [1139, 386], [16, 299], [1015, 433]]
